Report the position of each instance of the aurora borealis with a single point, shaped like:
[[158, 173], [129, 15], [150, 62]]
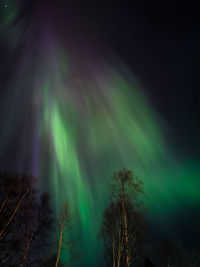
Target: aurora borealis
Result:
[[72, 117]]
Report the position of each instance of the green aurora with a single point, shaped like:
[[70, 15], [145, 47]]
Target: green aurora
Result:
[[87, 124]]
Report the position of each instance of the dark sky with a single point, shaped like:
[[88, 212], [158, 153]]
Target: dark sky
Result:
[[159, 41]]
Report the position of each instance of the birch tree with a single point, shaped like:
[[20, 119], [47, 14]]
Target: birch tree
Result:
[[65, 220], [122, 224], [25, 220]]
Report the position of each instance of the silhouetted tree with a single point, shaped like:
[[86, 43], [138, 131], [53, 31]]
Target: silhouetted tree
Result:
[[38, 237], [16, 190], [122, 225], [25, 220], [65, 219]]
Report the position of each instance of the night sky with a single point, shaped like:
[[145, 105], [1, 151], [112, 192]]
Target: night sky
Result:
[[151, 49], [159, 41]]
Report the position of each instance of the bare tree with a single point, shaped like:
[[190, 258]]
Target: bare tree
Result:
[[65, 225], [122, 225], [16, 189], [15, 192], [25, 220], [112, 232], [38, 235]]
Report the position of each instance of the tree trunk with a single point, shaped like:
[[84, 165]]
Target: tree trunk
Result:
[[60, 244], [14, 212], [119, 248], [125, 229], [113, 247], [29, 244], [4, 203]]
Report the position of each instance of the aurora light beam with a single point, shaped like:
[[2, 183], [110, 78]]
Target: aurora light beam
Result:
[[75, 118]]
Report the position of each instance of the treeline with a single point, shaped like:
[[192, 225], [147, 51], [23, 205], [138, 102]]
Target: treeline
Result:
[[32, 235]]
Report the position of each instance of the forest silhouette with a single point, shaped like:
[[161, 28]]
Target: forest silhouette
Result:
[[32, 234]]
